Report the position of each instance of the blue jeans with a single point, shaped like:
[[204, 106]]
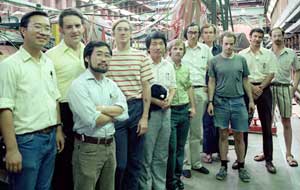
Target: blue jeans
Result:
[[129, 148], [38, 152]]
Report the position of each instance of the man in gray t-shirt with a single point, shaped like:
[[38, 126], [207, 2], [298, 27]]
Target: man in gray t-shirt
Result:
[[228, 78]]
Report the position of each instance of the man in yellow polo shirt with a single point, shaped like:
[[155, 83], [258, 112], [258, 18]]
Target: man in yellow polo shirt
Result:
[[67, 57], [29, 119]]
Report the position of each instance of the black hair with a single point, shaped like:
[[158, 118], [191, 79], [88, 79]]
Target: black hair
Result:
[[26, 18], [258, 30], [89, 48], [155, 35], [69, 12], [191, 25]]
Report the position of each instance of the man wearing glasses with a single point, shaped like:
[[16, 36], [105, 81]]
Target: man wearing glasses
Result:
[[196, 58], [29, 112]]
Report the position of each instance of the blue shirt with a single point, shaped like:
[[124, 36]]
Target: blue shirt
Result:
[[85, 94]]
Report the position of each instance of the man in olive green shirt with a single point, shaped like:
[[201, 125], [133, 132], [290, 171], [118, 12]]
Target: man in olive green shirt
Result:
[[180, 115]]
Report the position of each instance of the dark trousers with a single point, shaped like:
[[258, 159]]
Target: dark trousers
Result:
[[210, 135], [129, 148], [63, 176], [264, 108], [180, 124]]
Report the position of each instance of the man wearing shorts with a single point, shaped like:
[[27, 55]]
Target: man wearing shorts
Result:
[[282, 89], [228, 77]]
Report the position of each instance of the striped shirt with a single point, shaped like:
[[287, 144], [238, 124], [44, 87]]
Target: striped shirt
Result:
[[129, 69]]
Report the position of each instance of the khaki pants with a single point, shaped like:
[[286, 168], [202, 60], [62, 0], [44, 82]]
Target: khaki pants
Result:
[[94, 166]]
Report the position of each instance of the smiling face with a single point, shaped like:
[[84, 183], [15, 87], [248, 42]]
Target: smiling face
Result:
[[99, 59], [72, 29], [255, 39], [37, 33]]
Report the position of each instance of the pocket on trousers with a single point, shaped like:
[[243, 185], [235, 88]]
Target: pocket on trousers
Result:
[[24, 139]]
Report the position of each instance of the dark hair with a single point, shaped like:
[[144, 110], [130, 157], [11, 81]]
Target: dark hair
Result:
[[89, 48], [258, 30], [277, 28], [69, 12], [155, 35], [208, 26], [228, 35], [191, 25], [26, 18]]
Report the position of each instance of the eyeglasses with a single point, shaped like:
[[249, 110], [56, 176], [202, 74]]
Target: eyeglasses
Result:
[[120, 29], [41, 28], [192, 32]]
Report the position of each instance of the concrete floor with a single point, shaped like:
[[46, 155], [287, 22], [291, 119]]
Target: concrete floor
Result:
[[286, 177]]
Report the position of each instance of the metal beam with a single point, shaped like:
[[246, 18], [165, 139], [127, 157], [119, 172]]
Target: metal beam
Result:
[[30, 5]]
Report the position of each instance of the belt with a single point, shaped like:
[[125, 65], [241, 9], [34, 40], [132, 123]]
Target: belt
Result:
[[133, 100], [280, 84], [94, 140], [46, 130], [179, 107], [199, 86]]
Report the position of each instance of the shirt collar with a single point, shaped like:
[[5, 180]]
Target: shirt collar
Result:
[[197, 46], [88, 75], [248, 50], [26, 56], [64, 46]]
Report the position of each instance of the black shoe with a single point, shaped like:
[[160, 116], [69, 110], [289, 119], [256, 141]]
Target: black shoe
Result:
[[202, 170], [235, 165], [187, 173], [270, 167]]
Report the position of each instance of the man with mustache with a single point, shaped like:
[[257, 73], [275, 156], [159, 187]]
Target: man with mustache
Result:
[[96, 102], [284, 87], [262, 66], [29, 111]]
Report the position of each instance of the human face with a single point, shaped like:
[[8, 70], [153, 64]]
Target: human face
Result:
[[72, 29], [208, 34], [122, 33], [256, 39], [277, 37], [37, 33], [227, 46], [193, 34], [177, 52], [99, 60], [156, 49]]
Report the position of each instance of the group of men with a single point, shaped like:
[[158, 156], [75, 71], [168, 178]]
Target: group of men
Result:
[[124, 119]]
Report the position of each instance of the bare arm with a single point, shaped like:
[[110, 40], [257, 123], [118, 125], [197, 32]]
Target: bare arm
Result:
[[111, 111], [143, 123], [267, 81], [211, 92], [296, 81], [13, 156], [247, 87], [60, 140]]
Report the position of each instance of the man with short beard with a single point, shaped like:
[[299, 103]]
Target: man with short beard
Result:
[[96, 102], [282, 88]]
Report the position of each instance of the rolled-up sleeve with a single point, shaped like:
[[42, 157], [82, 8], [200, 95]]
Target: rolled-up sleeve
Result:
[[120, 101], [81, 104], [8, 85]]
